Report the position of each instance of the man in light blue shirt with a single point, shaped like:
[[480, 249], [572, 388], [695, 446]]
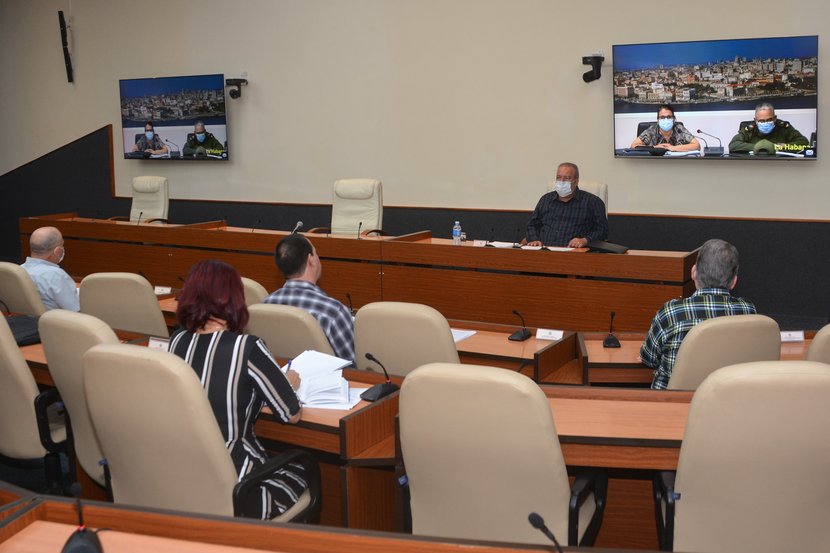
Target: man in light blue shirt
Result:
[[56, 288]]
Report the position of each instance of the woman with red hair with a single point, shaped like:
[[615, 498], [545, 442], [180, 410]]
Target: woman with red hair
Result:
[[239, 375]]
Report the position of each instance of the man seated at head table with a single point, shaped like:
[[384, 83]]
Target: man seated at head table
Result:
[[298, 260], [667, 133], [715, 273], [200, 141], [56, 288], [767, 134], [567, 216]]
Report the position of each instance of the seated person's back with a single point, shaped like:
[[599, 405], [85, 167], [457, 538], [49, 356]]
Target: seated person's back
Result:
[[56, 288]]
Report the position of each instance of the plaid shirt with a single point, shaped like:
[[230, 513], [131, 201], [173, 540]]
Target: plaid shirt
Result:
[[555, 222], [676, 318], [333, 316]]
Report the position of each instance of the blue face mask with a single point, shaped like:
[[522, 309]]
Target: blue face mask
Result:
[[766, 127], [149, 135], [200, 136], [666, 124]]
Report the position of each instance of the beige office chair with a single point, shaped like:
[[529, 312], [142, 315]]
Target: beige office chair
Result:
[[150, 201], [598, 189], [752, 474], [27, 438], [723, 341], [161, 439], [125, 301], [254, 291], [356, 204], [820, 346], [66, 336], [288, 331], [402, 336], [481, 452], [18, 290]]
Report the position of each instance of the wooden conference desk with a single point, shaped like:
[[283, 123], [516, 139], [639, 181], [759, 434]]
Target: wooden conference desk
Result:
[[573, 290]]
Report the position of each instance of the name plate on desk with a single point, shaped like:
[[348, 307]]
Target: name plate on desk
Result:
[[792, 335], [162, 290], [549, 334]]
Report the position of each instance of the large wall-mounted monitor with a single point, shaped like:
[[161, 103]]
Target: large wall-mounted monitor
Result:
[[179, 118], [715, 87]]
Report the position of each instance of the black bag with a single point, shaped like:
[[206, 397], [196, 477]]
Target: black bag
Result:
[[24, 328]]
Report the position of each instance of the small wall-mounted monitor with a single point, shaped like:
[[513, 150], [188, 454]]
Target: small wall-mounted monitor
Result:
[[180, 118], [714, 88]]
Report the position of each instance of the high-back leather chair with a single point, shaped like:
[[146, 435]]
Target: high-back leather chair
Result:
[[26, 435], [125, 301], [820, 346], [150, 201], [752, 473], [18, 290], [403, 336], [481, 452], [723, 341], [356, 201], [66, 337], [288, 331], [161, 439], [254, 291]]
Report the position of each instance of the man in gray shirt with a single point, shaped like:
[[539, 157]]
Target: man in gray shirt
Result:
[[56, 288]]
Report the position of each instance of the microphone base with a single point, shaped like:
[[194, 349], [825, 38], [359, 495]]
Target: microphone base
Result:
[[83, 541], [611, 341], [379, 391], [715, 151], [520, 335]]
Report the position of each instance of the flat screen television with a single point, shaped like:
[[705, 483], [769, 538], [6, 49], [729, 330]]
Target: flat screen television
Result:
[[177, 107], [714, 87]]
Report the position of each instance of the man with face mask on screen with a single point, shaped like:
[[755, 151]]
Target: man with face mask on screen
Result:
[[568, 216], [200, 141], [56, 288], [767, 134]]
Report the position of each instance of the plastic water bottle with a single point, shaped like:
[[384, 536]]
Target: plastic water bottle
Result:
[[456, 234]]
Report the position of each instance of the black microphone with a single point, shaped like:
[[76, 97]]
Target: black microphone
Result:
[[611, 341], [359, 226], [256, 225], [705, 144], [297, 227], [713, 151], [518, 237], [169, 151], [82, 540], [349, 297], [379, 390], [489, 243], [536, 520], [139, 217], [523, 333]]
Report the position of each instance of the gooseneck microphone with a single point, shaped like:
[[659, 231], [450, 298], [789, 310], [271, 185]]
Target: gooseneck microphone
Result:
[[379, 390], [536, 520], [523, 333], [297, 227], [713, 151], [351, 308], [359, 226], [611, 341], [518, 238], [489, 242], [256, 225], [82, 540], [140, 214], [169, 151]]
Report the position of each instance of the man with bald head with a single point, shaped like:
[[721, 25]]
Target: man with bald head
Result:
[[56, 288]]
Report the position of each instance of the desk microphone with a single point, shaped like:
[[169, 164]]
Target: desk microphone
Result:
[[359, 226], [713, 151], [489, 243], [82, 540], [518, 238], [297, 227], [536, 520], [349, 298], [139, 218], [523, 333], [169, 151], [611, 341], [256, 225], [379, 390]]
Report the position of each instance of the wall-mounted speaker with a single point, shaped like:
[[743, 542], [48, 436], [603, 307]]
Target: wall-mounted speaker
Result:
[[67, 60]]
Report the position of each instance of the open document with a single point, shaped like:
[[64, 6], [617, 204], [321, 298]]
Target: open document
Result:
[[321, 381]]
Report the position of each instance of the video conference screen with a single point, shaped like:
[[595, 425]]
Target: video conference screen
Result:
[[174, 118], [714, 88]]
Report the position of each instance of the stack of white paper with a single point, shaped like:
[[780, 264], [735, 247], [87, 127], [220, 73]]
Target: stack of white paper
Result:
[[321, 380]]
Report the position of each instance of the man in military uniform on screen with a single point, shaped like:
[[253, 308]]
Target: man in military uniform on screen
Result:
[[767, 134], [201, 143]]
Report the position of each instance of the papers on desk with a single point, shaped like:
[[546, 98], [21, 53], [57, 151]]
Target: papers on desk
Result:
[[693, 153], [321, 380], [558, 248], [497, 244], [458, 335]]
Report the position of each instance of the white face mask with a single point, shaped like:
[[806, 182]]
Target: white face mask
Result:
[[563, 188], [63, 253]]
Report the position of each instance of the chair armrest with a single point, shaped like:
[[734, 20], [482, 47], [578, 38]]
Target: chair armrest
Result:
[[252, 481], [319, 230], [587, 483], [119, 218], [156, 220], [42, 403], [664, 494], [375, 231]]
